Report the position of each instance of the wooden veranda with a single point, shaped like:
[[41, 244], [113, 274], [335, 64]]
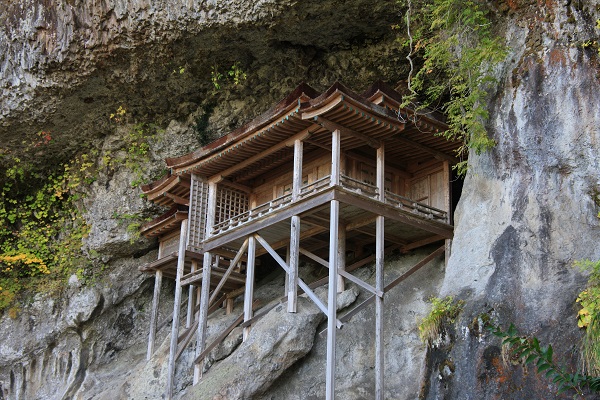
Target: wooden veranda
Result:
[[310, 176]]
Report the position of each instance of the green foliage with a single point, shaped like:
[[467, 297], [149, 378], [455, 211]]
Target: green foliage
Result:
[[442, 310], [530, 352], [134, 222], [135, 149], [40, 226], [234, 76], [41, 221], [588, 317], [453, 43]]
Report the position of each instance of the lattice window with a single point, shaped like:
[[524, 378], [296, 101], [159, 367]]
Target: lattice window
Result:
[[230, 202], [197, 212]]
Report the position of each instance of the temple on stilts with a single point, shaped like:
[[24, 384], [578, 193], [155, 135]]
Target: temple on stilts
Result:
[[323, 176]]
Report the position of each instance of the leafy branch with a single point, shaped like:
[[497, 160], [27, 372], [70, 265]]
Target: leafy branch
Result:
[[529, 351], [453, 42]]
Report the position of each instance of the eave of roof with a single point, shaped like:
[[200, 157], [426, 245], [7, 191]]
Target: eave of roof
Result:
[[164, 223], [286, 118], [302, 93]]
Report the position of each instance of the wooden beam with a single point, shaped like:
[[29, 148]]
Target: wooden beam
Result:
[[232, 265], [223, 335], [283, 242], [273, 149], [293, 263], [436, 153], [191, 300], [360, 223], [301, 283], [332, 126], [177, 199], [262, 222], [389, 238], [393, 284], [395, 214], [249, 293], [317, 144], [369, 161], [332, 298], [154, 314], [176, 309], [235, 185], [419, 243], [342, 272]]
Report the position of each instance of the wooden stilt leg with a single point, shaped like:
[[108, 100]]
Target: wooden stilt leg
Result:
[[203, 314], [294, 259], [154, 315], [447, 251], [332, 301], [287, 277], [176, 309], [249, 293], [341, 247], [191, 301], [379, 285], [379, 278]]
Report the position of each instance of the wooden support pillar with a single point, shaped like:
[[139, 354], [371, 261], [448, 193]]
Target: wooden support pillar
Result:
[[379, 285], [176, 308], [287, 262], [206, 275], [154, 315], [332, 299], [191, 299], [293, 264], [297, 176], [341, 250], [335, 158], [381, 172], [249, 292], [203, 313], [211, 208], [379, 278]]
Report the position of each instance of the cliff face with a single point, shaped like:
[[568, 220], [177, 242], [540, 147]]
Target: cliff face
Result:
[[527, 209]]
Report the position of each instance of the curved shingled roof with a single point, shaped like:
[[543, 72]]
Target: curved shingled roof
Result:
[[265, 142]]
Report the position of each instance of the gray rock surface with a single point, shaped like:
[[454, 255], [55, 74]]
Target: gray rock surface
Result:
[[355, 351], [275, 343], [527, 211]]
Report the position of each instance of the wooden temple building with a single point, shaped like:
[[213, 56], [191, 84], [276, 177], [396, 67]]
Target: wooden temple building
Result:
[[320, 175]]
